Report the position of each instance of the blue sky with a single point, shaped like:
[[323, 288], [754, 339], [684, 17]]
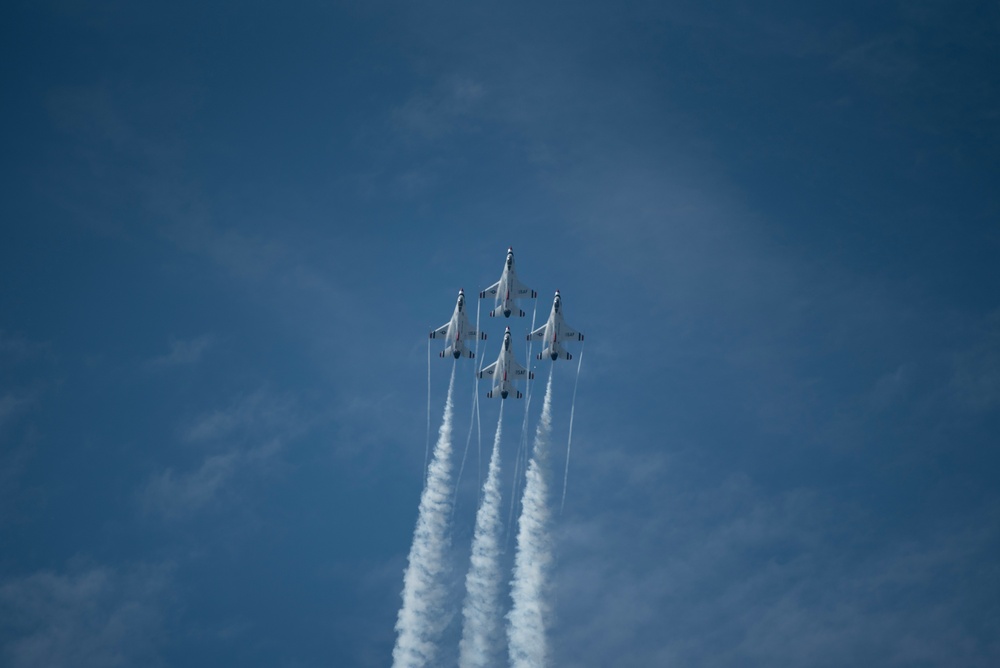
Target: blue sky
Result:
[[228, 229]]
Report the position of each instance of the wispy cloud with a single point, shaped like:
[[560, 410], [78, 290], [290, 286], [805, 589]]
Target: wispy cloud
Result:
[[245, 439], [729, 573], [13, 403], [259, 412], [86, 618], [175, 494], [183, 351], [440, 109], [975, 381], [15, 348]]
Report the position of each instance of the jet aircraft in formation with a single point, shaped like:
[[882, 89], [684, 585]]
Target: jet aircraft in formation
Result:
[[554, 332], [506, 369], [456, 331], [508, 290]]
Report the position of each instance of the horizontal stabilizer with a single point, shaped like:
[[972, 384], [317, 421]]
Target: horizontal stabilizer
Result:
[[518, 395]]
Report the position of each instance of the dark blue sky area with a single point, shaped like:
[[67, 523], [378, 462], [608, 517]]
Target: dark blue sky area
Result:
[[227, 231]]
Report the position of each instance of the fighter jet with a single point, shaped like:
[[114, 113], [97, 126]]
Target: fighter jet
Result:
[[554, 332], [507, 290], [456, 331], [505, 371]]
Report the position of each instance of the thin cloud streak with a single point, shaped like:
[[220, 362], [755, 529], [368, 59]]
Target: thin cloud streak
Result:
[[183, 351]]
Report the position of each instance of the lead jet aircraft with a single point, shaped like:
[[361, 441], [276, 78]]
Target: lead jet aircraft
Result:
[[554, 332], [507, 290], [456, 331], [505, 371]]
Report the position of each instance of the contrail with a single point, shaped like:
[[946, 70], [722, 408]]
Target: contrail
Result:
[[423, 616], [482, 631], [427, 446], [479, 425], [522, 445], [527, 619], [473, 422], [569, 441], [519, 457]]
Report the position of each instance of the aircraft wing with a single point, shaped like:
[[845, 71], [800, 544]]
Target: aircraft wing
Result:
[[516, 370], [472, 333], [521, 290], [489, 371], [490, 291], [440, 331], [570, 333], [538, 334]]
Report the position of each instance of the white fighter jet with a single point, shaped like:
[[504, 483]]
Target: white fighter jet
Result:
[[456, 331], [505, 371], [507, 290], [554, 332]]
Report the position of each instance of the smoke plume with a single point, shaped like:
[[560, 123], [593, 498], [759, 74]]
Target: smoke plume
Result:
[[482, 630], [529, 615], [424, 614]]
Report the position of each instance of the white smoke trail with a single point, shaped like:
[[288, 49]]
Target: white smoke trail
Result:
[[482, 631], [423, 615], [527, 619], [569, 441]]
